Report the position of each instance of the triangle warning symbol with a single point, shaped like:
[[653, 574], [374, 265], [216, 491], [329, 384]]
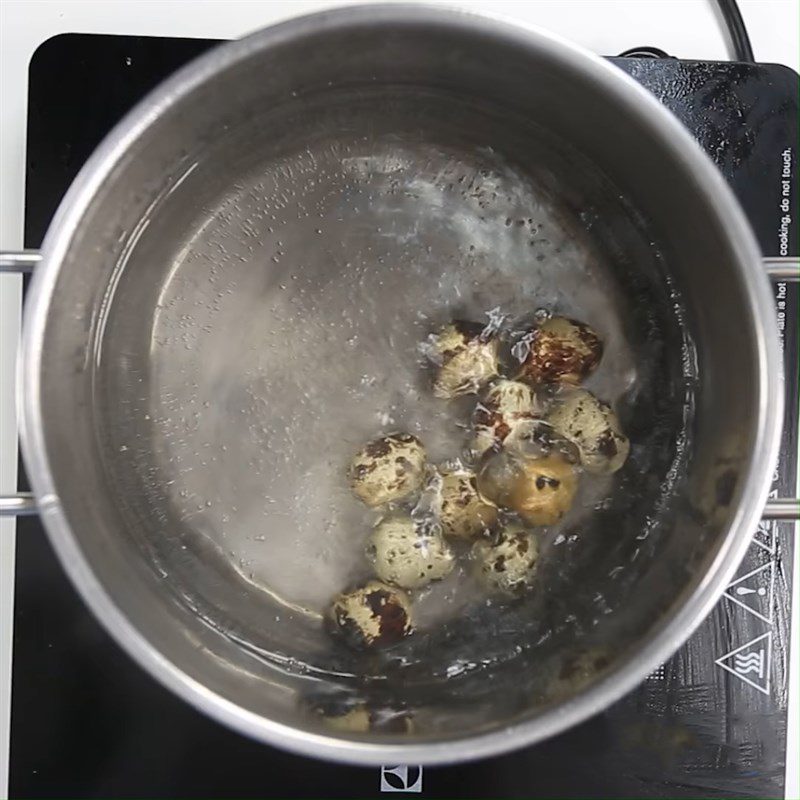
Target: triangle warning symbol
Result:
[[754, 591], [751, 662]]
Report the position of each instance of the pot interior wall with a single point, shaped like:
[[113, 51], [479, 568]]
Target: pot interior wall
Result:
[[240, 309]]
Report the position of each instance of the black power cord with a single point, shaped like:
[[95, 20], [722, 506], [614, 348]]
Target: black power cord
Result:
[[646, 51], [742, 48]]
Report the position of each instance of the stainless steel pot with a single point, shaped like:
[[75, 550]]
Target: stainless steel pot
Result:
[[227, 304]]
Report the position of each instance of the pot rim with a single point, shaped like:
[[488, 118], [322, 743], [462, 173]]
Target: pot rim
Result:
[[659, 644]]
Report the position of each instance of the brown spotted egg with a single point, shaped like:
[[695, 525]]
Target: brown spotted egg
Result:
[[355, 720], [407, 554], [539, 490], [560, 351], [506, 409], [387, 469], [592, 426], [373, 615], [465, 359], [509, 564], [462, 512], [579, 669], [363, 719], [348, 714]]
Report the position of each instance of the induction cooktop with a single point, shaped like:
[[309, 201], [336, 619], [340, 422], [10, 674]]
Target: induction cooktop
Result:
[[711, 722]]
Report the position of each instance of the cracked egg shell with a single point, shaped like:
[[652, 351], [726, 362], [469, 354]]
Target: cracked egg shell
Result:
[[592, 426], [539, 490], [561, 351], [406, 555], [509, 565], [388, 468], [465, 359], [462, 512], [507, 408], [374, 615]]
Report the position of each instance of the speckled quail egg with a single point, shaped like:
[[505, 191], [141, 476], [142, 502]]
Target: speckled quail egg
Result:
[[388, 468], [363, 719], [407, 554], [593, 427], [539, 490], [462, 512], [356, 720], [560, 351], [506, 408], [373, 615], [465, 359], [579, 669], [508, 565]]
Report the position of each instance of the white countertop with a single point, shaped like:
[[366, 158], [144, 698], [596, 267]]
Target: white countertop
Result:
[[684, 28]]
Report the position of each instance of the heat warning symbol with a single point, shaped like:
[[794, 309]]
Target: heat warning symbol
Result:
[[751, 662]]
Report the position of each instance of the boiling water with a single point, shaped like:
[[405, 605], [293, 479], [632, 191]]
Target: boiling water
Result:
[[286, 335]]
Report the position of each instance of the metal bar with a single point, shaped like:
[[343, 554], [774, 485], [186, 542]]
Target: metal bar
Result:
[[22, 504], [20, 261], [786, 508], [783, 268]]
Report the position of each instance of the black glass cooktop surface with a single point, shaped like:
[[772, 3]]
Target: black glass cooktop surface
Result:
[[87, 722]]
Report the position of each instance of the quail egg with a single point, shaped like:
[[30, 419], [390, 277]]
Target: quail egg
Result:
[[406, 554], [539, 490], [561, 351], [356, 720], [506, 409], [465, 359], [371, 616], [388, 468], [508, 565], [593, 427], [363, 718], [462, 512], [579, 669]]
